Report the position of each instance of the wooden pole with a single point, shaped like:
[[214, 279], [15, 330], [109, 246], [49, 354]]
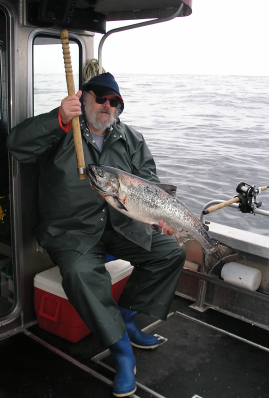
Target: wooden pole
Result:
[[71, 90]]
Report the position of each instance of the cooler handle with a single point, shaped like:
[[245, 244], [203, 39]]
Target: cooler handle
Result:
[[42, 312]]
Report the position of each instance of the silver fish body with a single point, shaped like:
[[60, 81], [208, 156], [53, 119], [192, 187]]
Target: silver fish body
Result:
[[149, 203]]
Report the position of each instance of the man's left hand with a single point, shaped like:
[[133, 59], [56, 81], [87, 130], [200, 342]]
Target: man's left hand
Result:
[[165, 230]]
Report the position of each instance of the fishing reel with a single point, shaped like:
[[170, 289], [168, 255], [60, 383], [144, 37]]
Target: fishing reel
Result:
[[248, 197]]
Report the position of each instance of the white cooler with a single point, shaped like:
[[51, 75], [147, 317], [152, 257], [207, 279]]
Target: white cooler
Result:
[[54, 312]]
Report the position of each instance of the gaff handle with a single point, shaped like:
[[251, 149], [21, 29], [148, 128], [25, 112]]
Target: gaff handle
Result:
[[71, 90]]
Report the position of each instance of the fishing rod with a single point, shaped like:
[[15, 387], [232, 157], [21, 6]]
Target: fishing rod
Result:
[[246, 198]]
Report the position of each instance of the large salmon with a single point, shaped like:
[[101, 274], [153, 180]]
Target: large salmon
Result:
[[149, 203]]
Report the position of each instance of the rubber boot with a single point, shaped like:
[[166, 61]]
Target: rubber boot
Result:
[[138, 338], [124, 381]]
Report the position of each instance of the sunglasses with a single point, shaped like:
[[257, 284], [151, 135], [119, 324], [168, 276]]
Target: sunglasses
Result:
[[114, 102]]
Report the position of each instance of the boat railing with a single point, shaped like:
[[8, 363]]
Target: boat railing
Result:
[[234, 205]]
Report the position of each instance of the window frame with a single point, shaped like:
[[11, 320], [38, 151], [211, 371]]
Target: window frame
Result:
[[54, 36]]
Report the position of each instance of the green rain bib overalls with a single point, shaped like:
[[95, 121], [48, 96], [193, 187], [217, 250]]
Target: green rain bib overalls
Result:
[[78, 227]]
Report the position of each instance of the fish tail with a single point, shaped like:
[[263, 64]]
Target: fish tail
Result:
[[223, 254]]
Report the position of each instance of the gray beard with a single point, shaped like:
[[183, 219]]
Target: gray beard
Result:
[[98, 124]]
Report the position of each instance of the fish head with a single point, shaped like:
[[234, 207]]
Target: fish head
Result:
[[103, 179]]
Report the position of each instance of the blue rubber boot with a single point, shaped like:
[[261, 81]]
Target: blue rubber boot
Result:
[[124, 381], [138, 338]]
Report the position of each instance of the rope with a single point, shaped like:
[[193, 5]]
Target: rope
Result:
[[91, 69]]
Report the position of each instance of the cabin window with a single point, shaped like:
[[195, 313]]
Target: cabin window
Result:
[[49, 79]]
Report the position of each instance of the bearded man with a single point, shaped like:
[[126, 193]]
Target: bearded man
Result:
[[78, 227]]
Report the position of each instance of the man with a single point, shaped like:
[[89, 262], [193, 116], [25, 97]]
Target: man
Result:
[[78, 227]]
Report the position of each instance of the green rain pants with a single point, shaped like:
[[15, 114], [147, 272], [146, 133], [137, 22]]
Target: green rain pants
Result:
[[149, 290]]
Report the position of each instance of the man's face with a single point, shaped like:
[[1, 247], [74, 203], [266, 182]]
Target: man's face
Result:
[[99, 116]]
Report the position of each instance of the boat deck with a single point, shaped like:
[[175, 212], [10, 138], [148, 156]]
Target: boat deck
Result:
[[202, 354]]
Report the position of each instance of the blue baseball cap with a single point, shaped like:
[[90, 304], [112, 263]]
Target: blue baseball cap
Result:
[[104, 85]]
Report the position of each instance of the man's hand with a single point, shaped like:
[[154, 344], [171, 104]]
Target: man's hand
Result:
[[165, 230], [70, 107]]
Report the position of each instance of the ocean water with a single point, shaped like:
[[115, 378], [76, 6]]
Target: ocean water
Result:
[[207, 134]]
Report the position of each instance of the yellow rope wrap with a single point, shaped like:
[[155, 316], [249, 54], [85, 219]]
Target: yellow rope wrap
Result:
[[91, 69]]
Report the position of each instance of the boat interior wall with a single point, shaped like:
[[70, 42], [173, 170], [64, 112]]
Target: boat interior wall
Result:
[[9, 306]]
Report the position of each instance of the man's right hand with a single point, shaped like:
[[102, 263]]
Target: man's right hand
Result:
[[70, 107]]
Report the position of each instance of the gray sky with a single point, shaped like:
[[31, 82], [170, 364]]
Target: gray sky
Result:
[[220, 37]]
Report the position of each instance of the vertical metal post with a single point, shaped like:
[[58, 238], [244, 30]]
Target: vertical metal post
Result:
[[199, 304]]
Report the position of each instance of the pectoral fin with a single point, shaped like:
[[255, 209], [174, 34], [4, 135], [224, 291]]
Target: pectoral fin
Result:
[[182, 236], [118, 204]]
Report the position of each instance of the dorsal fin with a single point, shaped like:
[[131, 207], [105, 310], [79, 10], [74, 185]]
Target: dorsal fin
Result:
[[171, 189]]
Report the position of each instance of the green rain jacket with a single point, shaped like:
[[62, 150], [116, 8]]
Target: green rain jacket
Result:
[[73, 215]]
